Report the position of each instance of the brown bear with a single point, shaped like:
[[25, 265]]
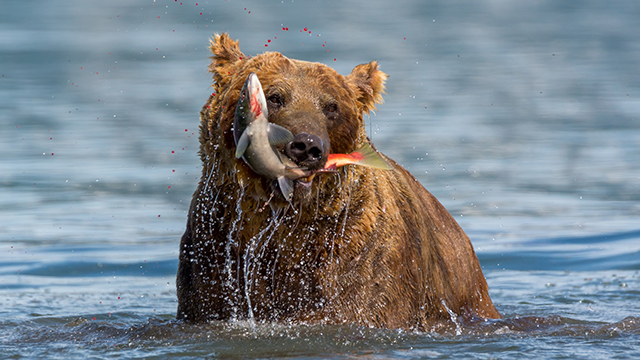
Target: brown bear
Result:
[[364, 246]]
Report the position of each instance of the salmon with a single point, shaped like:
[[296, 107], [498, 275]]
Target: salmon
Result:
[[256, 139]]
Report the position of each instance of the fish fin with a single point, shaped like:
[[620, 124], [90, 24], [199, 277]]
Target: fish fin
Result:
[[278, 135], [286, 186], [242, 144], [371, 158]]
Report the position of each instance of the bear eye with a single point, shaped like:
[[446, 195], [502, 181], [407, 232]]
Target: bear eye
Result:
[[331, 111], [276, 99]]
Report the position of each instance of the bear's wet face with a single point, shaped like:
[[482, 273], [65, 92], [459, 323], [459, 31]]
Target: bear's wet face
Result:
[[321, 108], [313, 114]]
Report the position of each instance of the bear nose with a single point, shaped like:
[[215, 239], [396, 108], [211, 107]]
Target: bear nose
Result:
[[306, 148]]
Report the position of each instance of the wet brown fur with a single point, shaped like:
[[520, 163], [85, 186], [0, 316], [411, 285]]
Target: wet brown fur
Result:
[[366, 246]]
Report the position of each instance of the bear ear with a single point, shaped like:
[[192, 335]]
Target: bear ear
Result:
[[370, 83], [225, 54]]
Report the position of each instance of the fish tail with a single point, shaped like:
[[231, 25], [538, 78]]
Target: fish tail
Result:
[[371, 158], [286, 186]]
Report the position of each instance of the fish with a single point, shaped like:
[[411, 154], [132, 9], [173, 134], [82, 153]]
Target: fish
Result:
[[256, 139], [364, 156]]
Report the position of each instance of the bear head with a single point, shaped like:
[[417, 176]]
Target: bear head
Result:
[[322, 109]]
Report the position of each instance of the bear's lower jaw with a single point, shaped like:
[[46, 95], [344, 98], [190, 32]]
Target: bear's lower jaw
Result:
[[301, 192], [302, 189]]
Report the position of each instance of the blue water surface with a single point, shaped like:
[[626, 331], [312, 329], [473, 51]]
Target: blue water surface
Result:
[[523, 118]]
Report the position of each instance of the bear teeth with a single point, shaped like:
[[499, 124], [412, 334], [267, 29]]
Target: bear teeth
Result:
[[309, 178]]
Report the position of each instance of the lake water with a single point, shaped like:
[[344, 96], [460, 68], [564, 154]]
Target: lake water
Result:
[[523, 118]]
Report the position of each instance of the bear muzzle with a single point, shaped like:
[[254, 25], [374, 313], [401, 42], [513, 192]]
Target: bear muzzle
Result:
[[307, 150]]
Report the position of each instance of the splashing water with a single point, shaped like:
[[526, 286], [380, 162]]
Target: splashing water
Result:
[[454, 318], [346, 203], [231, 283], [212, 170], [252, 262]]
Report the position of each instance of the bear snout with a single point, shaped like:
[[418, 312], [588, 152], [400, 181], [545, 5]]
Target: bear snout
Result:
[[307, 149]]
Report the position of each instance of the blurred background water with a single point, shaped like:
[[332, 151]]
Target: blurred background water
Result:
[[521, 117]]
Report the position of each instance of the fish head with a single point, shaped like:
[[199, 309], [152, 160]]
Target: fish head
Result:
[[257, 101], [251, 103], [243, 109]]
